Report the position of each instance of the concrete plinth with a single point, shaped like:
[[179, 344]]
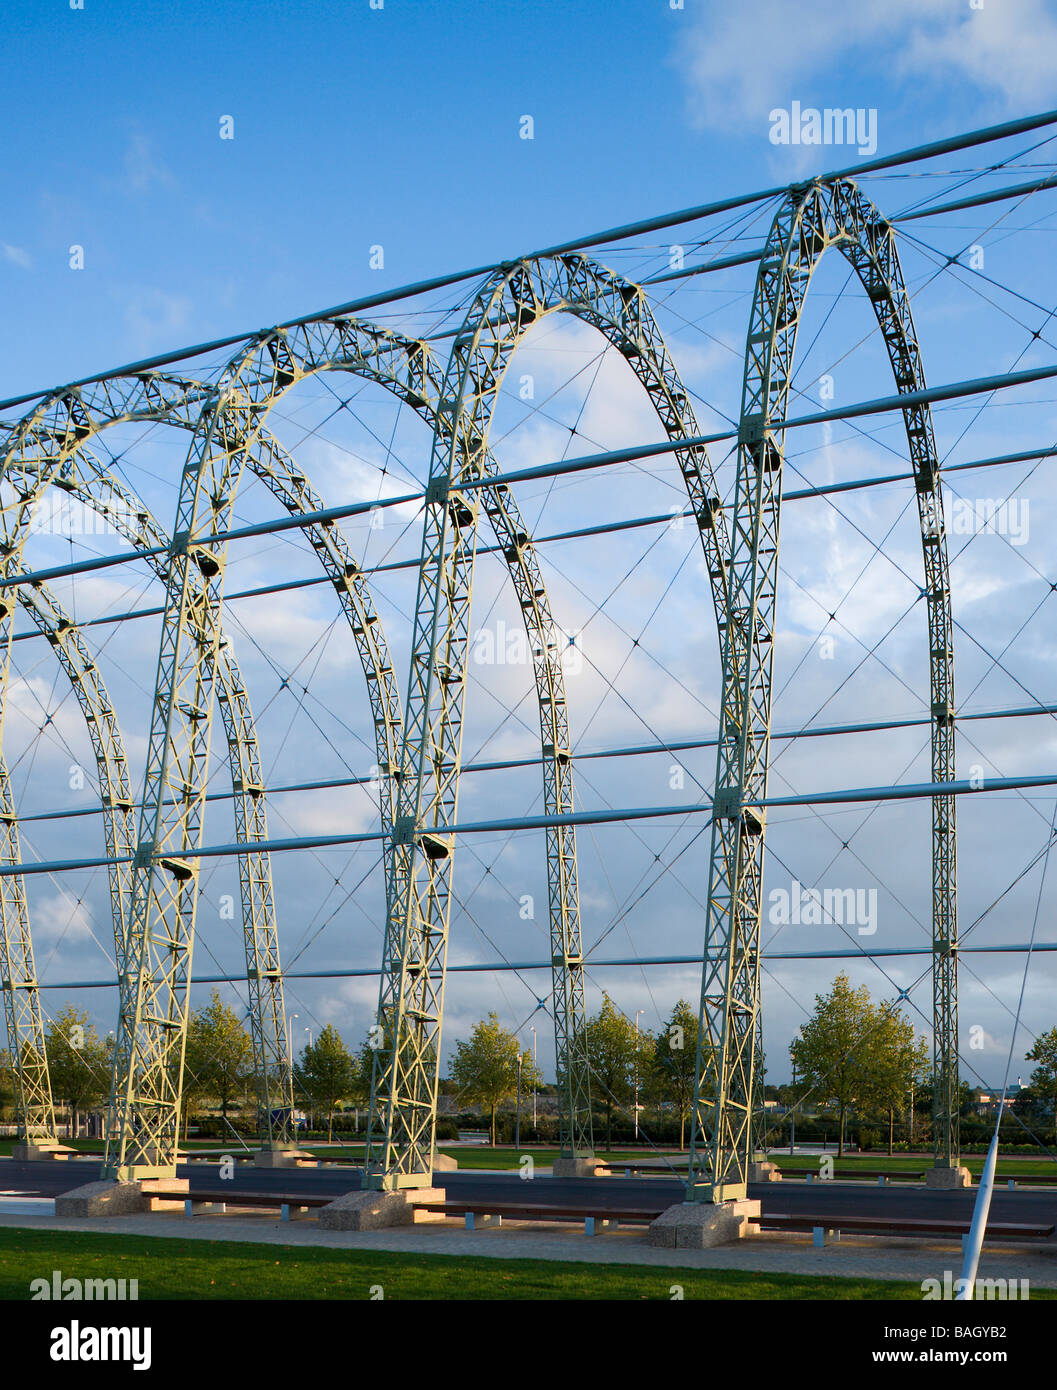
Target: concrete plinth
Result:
[[284, 1158], [948, 1177], [108, 1197], [763, 1171], [36, 1151], [443, 1163], [575, 1168], [370, 1211], [699, 1225], [104, 1198]]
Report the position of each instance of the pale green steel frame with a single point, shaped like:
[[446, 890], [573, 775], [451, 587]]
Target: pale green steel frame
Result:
[[34, 1107], [404, 1092], [258, 364], [425, 762], [811, 219], [23, 1016], [37, 454], [98, 490]]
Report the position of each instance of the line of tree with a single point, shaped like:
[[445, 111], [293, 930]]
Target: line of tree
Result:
[[851, 1056]]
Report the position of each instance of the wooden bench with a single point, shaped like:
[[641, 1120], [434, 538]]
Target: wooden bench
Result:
[[882, 1175], [821, 1226], [592, 1217], [218, 1200], [661, 1169], [1027, 1179]]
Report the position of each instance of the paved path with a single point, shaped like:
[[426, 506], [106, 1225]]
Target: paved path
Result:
[[768, 1253]]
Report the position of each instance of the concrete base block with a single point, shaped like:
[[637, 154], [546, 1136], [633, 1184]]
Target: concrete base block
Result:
[[699, 1225], [443, 1163], [575, 1168], [284, 1158], [103, 1198], [762, 1171], [371, 1211], [37, 1151], [948, 1177]]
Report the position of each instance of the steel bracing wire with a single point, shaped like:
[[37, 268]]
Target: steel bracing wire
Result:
[[419, 748]]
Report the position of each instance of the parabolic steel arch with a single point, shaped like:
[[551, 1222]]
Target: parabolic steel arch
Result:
[[25, 1022], [41, 452], [809, 221], [265, 369], [412, 988]]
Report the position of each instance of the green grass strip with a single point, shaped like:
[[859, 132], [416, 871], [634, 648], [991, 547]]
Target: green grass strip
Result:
[[208, 1269]]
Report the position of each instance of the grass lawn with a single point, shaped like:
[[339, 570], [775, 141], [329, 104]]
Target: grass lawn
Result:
[[482, 1157], [200, 1269], [88, 1147]]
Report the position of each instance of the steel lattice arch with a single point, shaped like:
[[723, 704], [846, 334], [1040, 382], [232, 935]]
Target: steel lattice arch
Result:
[[153, 836]]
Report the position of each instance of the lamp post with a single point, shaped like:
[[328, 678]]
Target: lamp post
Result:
[[792, 1117], [637, 1017], [290, 1055], [517, 1119], [534, 1088], [910, 1143]]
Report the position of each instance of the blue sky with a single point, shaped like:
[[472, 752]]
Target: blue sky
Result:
[[400, 127]]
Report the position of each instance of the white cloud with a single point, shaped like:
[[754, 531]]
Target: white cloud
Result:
[[141, 166], [60, 918], [152, 316], [16, 255], [742, 61]]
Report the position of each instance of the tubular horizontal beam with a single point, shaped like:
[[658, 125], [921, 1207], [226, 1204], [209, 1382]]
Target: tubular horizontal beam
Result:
[[881, 406], [723, 263], [636, 962], [632, 751], [997, 195], [913, 792], [702, 268], [580, 533], [985, 135]]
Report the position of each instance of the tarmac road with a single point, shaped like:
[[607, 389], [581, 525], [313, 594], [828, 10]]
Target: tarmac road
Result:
[[829, 1199]]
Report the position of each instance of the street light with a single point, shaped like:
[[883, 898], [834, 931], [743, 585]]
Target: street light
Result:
[[637, 1017], [290, 1064], [517, 1121], [534, 1087]]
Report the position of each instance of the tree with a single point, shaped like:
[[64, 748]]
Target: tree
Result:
[[1044, 1077], [219, 1056], [898, 1060], [326, 1073], [673, 1071], [485, 1069], [364, 1060], [832, 1053], [7, 1082], [78, 1063], [614, 1051]]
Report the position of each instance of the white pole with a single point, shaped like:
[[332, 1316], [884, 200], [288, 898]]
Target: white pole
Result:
[[976, 1231]]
